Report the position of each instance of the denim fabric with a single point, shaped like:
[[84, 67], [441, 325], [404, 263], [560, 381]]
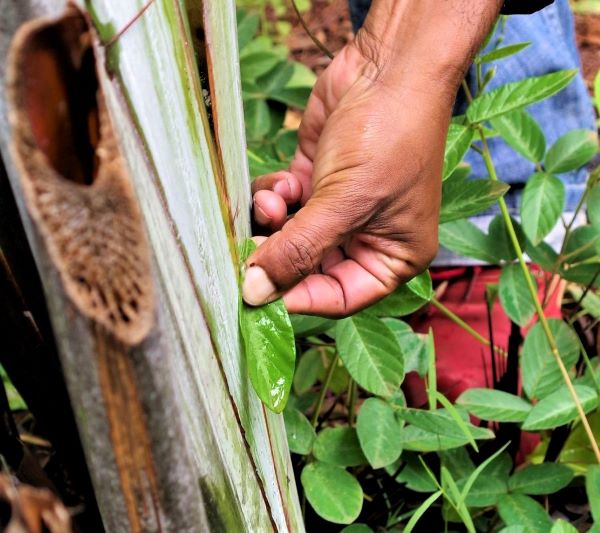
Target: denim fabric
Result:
[[551, 32]]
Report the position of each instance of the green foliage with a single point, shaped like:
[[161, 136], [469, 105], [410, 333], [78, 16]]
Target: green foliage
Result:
[[269, 346], [270, 83], [361, 433], [333, 492]]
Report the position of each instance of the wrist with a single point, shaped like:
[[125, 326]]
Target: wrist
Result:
[[428, 44]]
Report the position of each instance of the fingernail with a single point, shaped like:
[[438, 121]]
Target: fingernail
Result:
[[258, 289]]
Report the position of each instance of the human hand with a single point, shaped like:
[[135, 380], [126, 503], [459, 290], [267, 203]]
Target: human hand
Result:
[[367, 173]]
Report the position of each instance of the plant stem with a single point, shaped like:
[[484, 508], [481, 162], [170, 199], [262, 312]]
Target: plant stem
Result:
[[330, 371], [352, 403], [461, 323], [536, 301]]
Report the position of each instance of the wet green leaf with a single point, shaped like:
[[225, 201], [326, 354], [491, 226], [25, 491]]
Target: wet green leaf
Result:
[[269, 346], [541, 205], [379, 432], [496, 405], [333, 493], [370, 353], [517, 95]]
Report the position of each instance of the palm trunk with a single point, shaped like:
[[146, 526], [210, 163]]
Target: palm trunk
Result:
[[174, 436]]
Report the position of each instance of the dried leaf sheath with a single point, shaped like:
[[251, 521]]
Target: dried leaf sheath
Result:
[[74, 177]]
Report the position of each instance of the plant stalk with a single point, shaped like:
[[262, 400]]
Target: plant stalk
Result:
[[536, 301], [328, 376]]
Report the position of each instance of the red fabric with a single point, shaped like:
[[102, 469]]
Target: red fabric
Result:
[[462, 361]]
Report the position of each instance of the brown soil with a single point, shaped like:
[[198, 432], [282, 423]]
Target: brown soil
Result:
[[588, 42], [329, 21]]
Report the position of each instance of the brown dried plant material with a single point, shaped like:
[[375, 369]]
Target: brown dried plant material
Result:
[[74, 177], [31, 510]]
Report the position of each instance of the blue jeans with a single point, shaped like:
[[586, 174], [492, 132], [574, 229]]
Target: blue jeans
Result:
[[552, 36]]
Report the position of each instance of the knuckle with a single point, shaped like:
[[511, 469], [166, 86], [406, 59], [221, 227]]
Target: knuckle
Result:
[[300, 252]]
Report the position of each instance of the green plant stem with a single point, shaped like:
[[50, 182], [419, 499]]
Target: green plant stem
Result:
[[328, 376], [352, 402], [461, 323], [536, 301]]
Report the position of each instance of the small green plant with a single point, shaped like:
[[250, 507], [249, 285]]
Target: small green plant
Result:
[[367, 459]]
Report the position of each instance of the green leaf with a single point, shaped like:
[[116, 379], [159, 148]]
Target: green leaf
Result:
[[299, 431], [593, 206], [269, 346], [498, 235], [421, 286], [592, 487], [475, 476], [501, 53], [414, 475], [379, 432], [15, 401], [302, 77], [540, 373], [465, 197], [464, 238], [541, 206], [292, 96], [401, 302], [260, 164], [545, 478], [286, 143], [247, 26], [255, 64], [558, 408], [310, 366], [306, 325], [513, 529], [562, 526], [543, 254], [340, 377], [521, 510], [518, 94], [440, 422], [370, 353], [457, 143], [339, 446], [275, 79], [514, 295], [571, 151], [412, 346], [333, 493], [458, 462], [496, 405], [421, 510], [357, 528], [485, 491], [522, 132], [258, 118]]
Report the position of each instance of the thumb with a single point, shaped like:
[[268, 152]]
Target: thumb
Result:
[[295, 251]]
